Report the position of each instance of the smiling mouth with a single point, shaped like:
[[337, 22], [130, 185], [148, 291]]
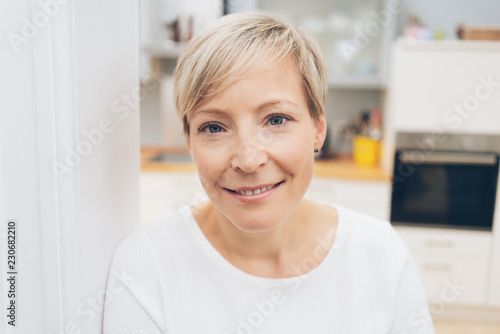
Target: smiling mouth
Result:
[[255, 191]]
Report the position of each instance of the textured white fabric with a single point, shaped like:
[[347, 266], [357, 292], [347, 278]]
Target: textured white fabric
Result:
[[179, 283]]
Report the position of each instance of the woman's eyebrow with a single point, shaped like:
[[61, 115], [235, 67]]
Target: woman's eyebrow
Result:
[[208, 111], [261, 107], [271, 103]]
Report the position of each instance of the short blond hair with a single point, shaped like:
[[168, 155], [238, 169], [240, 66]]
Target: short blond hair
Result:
[[232, 46]]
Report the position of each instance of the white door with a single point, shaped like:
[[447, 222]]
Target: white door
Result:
[[69, 158]]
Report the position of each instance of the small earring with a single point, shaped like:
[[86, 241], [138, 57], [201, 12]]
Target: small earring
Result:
[[316, 150]]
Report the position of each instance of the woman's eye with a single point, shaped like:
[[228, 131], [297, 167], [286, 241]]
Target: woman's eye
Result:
[[212, 128], [276, 120]]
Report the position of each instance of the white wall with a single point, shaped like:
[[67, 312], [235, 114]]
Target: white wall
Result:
[[66, 77]]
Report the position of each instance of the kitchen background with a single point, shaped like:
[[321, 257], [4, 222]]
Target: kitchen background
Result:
[[413, 111], [414, 123]]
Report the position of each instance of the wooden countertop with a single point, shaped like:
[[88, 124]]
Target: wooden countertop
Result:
[[148, 153], [342, 167], [345, 168]]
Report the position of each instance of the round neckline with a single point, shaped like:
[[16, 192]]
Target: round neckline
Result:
[[207, 247]]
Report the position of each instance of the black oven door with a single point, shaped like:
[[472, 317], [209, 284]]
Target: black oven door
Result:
[[444, 189]]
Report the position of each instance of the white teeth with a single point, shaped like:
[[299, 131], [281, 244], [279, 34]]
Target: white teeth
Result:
[[253, 192]]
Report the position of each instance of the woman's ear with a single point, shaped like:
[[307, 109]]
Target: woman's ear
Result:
[[320, 125]]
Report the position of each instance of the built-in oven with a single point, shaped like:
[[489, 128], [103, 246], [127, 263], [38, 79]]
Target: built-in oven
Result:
[[445, 180]]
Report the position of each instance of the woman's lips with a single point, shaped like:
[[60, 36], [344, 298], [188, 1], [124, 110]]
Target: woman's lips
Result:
[[253, 196]]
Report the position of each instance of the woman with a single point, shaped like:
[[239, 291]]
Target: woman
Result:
[[258, 257]]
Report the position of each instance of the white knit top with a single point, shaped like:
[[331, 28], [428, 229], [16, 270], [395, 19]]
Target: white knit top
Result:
[[168, 278]]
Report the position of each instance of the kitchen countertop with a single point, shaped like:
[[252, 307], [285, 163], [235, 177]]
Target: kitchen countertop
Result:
[[341, 167]]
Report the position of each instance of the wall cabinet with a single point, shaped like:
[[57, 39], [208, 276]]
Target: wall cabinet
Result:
[[354, 36]]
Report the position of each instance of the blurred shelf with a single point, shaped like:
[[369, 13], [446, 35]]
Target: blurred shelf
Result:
[[448, 45]]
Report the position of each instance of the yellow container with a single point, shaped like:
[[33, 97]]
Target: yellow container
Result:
[[366, 151]]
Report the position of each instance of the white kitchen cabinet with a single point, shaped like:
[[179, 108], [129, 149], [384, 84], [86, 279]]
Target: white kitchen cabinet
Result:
[[452, 282], [447, 244], [449, 255]]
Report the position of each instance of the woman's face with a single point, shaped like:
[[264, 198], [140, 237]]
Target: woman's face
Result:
[[253, 146]]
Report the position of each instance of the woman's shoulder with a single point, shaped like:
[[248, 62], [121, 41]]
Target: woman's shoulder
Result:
[[136, 265]]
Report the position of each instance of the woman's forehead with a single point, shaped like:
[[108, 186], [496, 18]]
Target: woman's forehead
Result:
[[266, 86]]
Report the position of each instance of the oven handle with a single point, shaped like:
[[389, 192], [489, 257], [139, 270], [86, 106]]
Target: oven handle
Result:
[[455, 158]]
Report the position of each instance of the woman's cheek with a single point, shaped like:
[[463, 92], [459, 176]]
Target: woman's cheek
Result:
[[207, 159], [295, 147]]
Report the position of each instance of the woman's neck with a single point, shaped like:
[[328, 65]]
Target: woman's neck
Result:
[[280, 252]]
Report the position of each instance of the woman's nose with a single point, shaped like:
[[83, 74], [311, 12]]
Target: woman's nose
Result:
[[249, 154]]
